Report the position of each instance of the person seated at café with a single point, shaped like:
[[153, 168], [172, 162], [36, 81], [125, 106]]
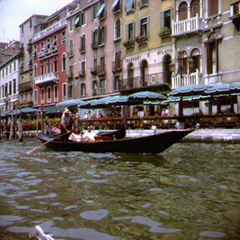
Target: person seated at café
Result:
[[88, 135]]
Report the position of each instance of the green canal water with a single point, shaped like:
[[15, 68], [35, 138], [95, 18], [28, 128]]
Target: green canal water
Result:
[[190, 191]]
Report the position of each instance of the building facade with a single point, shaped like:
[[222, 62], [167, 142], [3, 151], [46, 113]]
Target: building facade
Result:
[[9, 75], [26, 80], [90, 49]]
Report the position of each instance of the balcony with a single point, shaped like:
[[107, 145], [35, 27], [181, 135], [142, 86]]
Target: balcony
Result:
[[147, 82], [25, 87], [187, 26], [186, 79], [49, 78], [94, 70], [49, 30], [235, 14], [117, 66]]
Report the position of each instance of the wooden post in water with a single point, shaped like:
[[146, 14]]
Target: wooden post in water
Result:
[[20, 130]]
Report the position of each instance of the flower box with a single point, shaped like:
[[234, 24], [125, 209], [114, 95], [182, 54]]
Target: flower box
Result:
[[128, 43], [141, 39], [165, 32]]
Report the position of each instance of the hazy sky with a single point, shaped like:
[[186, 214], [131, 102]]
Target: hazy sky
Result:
[[15, 12]]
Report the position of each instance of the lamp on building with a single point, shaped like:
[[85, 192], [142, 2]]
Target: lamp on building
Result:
[[191, 65]]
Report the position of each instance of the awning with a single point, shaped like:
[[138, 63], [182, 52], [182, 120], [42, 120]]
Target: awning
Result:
[[115, 3], [129, 5], [101, 10], [77, 20], [53, 109]]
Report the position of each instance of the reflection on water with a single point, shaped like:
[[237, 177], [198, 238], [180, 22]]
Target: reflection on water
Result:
[[190, 191]]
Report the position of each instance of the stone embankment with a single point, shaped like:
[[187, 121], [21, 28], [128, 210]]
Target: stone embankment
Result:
[[199, 135]]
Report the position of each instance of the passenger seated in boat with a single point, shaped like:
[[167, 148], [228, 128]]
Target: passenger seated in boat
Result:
[[88, 135], [76, 135]]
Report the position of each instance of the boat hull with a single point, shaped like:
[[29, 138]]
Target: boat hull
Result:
[[149, 144]]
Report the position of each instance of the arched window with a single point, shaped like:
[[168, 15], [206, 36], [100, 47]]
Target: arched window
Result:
[[195, 8], [182, 62], [130, 75], [166, 71], [35, 70], [195, 58], [64, 62], [117, 28], [71, 51], [213, 53], [183, 11], [144, 72]]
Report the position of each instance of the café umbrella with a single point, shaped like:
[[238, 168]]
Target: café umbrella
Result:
[[188, 92], [69, 103], [146, 95]]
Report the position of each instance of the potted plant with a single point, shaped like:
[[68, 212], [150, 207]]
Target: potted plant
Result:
[[128, 43], [141, 39], [165, 32]]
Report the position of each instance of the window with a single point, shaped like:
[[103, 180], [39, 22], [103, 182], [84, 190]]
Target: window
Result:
[[143, 3], [64, 90], [55, 93], [64, 62], [118, 61], [102, 86], [101, 12], [63, 37], [55, 64], [42, 68], [95, 10], [116, 6], [195, 57], [116, 84], [10, 88], [30, 23], [42, 95], [35, 96], [130, 5], [70, 91], [49, 94], [77, 22], [95, 87], [48, 43], [55, 40], [83, 68], [166, 19], [22, 30], [117, 29], [143, 27], [83, 43], [130, 75], [102, 64], [35, 70], [48, 66], [212, 7], [94, 38], [102, 35], [182, 63], [195, 8], [130, 31], [83, 89], [212, 53], [71, 51], [183, 13], [14, 86], [144, 72], [70, 23]]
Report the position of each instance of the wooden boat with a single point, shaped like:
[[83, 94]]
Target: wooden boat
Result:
[[156, 143]]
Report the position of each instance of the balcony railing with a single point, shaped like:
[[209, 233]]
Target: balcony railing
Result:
[[187, 26], [49, 30], [117, 66], [186, 79], [25, 86], [143, 81], [46, 78]]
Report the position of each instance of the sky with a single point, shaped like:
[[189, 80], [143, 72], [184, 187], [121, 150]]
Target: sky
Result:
[[15, 12]]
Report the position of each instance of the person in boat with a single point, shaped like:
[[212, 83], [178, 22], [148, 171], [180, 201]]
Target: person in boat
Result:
[[67, 124], [88, 135], [76, 135]]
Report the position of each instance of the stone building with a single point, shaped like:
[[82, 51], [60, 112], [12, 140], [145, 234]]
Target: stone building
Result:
[[9, 75], [26, 80]]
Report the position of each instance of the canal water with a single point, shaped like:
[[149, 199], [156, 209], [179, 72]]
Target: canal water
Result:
[[190, 191]]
